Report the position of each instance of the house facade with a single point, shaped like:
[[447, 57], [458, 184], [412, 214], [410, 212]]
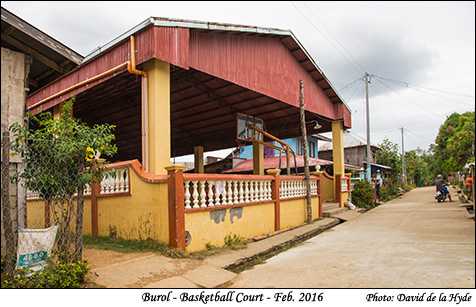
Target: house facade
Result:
[[355, 153]]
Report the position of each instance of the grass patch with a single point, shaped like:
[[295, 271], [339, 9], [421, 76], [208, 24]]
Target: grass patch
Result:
[[143, 246], [132, 246]]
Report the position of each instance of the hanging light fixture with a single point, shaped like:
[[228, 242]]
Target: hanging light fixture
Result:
[[317, 126]]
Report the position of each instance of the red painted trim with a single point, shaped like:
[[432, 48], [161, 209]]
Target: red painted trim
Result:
[[176, 209], [338, 189], [115, 194], [95, 190]]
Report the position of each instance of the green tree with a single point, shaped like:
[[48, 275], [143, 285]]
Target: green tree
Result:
[[389, 155], [60, 158], [454, 144], [416, 167]]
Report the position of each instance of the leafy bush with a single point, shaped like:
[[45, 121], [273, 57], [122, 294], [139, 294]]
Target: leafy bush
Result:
[[384, 196], [363, 194], [55, 275]]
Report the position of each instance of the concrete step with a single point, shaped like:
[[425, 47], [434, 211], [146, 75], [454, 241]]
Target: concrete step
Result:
[[329, 205], [333, 211]]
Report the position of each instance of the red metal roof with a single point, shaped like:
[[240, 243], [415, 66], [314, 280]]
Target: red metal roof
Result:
[[217, 71], [273, 163]]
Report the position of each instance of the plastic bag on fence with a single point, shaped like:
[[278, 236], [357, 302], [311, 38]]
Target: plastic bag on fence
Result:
[[34, 247], [350, 205]]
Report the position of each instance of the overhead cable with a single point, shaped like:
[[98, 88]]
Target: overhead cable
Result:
[[360, 72]]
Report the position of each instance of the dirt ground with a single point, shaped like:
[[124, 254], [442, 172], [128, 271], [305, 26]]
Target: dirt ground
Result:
[[100, 260]]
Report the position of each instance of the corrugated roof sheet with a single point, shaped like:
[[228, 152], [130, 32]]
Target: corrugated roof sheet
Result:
[[350, 140]]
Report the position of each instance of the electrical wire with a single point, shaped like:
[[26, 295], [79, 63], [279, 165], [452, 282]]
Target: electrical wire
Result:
[[327, 39], [406, 85], [355, 90], [346, 87], [363, 70], [378, 79]]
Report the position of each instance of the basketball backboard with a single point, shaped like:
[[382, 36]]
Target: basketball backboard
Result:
[[243, 132]]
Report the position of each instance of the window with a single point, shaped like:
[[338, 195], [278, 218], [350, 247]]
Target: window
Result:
[[312, 149], [299, 147]]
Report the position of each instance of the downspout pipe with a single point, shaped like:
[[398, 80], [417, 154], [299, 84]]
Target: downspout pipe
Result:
[[131, 68]]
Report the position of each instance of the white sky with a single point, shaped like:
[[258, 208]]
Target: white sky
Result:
[[428, 45]]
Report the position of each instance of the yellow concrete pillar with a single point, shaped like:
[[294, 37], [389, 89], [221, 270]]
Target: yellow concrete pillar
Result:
[[338, 159], [159, 115], [338, 147], [57, 109], [198, 158], [258, 158]]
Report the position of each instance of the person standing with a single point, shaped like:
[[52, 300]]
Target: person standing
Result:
[[468, 185]]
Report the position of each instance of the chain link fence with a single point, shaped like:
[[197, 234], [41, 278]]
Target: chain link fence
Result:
[[42, 204]]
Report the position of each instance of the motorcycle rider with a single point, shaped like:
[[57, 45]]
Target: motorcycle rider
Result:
[[440, 185]]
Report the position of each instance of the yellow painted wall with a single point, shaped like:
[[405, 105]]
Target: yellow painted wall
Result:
[[35, 211], [345, 196], [293, 212], [315, 207], [142, 215], [87, 216], [212, 226], [327, 189]]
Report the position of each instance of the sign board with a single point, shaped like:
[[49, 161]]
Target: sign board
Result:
[[243, 130]]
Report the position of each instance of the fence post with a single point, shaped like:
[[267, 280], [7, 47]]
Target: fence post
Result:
[[338, 189], [176, 205], [95, 190], [7, 221], [275, 197]]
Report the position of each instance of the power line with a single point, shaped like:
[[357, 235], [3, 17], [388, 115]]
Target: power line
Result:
[[346, 87], [419, 136], [406, 85], [363, 70], [355, 90], [326, 38], [378, 79]]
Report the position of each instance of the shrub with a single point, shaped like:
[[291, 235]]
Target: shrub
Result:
[[384, 196], [363, 194], [55, 275]]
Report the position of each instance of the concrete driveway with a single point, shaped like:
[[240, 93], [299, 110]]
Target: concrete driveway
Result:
[[412, 242]]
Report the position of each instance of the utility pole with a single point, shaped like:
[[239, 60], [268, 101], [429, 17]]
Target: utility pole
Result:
[[404, 179], [306, 162], [369, 153]]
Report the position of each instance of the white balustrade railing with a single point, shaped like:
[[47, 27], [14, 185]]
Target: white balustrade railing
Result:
[[214, 193], [344, 185], [113, 182], [295, 188]]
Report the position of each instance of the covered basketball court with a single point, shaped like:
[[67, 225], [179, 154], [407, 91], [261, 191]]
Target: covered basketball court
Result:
[[174, 87]]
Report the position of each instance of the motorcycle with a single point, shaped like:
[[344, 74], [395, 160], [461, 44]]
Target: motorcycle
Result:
[[440, 195]]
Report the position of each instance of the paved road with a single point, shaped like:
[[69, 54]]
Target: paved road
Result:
[[412, 242]]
